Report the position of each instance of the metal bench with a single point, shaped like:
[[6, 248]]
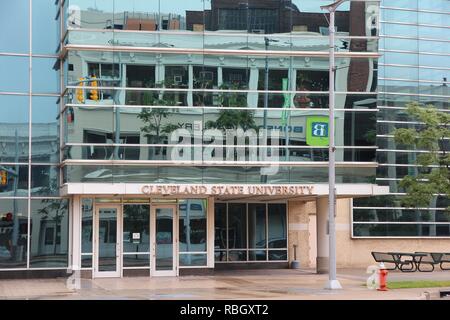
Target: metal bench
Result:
[[386, 257], [444, 258], [430, 259]]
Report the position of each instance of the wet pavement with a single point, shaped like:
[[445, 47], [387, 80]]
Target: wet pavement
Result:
[[271, 284]]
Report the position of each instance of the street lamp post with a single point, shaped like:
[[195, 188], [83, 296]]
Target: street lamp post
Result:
[[332, 283]]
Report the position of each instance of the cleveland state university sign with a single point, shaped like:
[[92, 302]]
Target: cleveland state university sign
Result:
[[272, 190]]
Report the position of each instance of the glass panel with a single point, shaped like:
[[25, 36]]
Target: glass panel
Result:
[[136, 260], [14, 181], [45, 77], [15, 74], [86, 225], [49, 236], [45, 130], [400, 215], [191, 260], [256, 255], [14, 21], [107, 237], [210, 174], [13, 234], [44, 180], [14, 129], [192, 225], [401, 230], [136, 228], [257, 226], [277, 226], [94, 127], [220, 255], [164, 239], [237, 226], [278, 255], [237, 255], [86, 261], [44, 19], [220, 227]]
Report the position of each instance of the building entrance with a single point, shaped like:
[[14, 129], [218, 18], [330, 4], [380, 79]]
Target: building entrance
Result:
[[135, 235], [107, 243], [164, 240]]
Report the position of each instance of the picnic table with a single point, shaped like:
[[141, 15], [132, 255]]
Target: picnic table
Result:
[[410, 260]]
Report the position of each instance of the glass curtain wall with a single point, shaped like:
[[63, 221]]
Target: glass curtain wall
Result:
[[414, 67], [246, 232], [136, 226], [181, 70], [34, 221]]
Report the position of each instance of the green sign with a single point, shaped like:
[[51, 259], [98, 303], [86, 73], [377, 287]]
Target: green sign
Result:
[[317, 131]]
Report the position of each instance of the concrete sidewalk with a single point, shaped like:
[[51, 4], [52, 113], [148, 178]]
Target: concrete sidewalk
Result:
[[244, 284]]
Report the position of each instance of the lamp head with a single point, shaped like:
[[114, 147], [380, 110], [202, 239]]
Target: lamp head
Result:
[[332, 7]]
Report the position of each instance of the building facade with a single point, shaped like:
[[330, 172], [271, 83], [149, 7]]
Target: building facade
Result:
[[174, 137]]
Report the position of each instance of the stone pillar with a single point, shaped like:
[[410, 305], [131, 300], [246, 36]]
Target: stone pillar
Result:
[[76, 234], [322, 235], [298, 232]]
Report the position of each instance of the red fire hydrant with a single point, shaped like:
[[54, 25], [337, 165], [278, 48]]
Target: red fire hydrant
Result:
[[383, 278]]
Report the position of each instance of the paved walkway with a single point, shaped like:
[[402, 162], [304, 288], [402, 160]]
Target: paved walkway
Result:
[[250, 284]]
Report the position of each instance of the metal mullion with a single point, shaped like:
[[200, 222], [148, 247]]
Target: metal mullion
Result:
[[398, 208], [215, 52], [226, 226], [247, 231], [224, 34], [267, 231], [30, 115]]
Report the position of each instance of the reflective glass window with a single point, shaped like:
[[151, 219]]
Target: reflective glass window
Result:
[[45, 78], [401, 230], [13, 238], [191, 260], [400, 15], [435, 5], [277, 224], [86, 225], [220, 231], [49, 235], [136, 228], [44, 13], [44, 180], [237, 226], [45, 130], [257, 226], [14, 128], [14, 182], [14, 21], [192, 225], [14, 76]]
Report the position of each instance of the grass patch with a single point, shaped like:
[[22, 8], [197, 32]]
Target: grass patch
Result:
[[417, 284]]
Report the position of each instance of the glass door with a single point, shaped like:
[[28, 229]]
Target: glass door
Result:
[[164, 240], [107, 241]]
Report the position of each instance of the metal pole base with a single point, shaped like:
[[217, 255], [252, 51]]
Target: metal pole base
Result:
[[333, 285]]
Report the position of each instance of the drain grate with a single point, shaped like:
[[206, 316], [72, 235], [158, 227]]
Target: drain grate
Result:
[[444, 293]]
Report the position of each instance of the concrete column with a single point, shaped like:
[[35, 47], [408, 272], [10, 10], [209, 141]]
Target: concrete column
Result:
[[76, 233], [322, 235]]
